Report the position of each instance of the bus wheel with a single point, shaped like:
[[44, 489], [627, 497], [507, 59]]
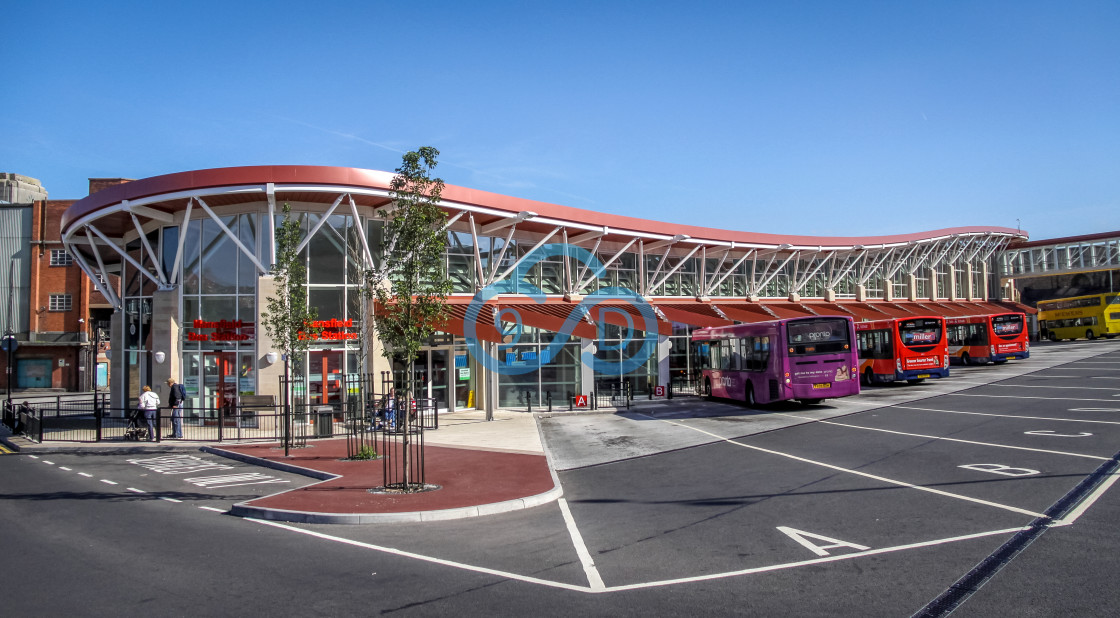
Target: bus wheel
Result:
[[868, 377], [707, 389], [810, 402], [1053, 337], [1089, 335], [749, 396], [966, 359], [916, 381]]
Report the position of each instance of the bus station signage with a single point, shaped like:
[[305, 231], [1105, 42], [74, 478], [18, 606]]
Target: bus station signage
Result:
[[222, 330], [329, 330]]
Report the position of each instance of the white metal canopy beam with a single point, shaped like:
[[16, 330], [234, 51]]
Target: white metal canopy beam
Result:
[[124, 254], [237, 241], [524, 215]]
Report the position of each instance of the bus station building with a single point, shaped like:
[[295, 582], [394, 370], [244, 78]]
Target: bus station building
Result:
[[184, 261]]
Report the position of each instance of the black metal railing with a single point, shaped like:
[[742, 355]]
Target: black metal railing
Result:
[[681, 385]]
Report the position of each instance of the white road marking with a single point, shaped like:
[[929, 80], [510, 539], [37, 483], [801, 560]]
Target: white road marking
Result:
[[1081, 377], [33, 456], [1070, 367], [50, 463], [64, 468], [790, 565], [431, 559], [234, 480], [1089, 500], [1080, 388], [210, 508], [133, 489], [919, 435], [169, 499], [884, 479], [108, 482], [1094, 409], [1051, 432], [589, 567], [1024, 397], [85, 475], [802, 537], [1001, 469], [1035, 418]]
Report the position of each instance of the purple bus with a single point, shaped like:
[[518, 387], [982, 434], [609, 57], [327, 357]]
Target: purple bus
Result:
[[809, 359]]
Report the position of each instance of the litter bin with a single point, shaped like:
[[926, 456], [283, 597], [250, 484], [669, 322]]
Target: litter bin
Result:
[[324, 422]]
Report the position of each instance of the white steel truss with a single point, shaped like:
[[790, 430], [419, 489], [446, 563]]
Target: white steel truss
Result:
[[700, 268]]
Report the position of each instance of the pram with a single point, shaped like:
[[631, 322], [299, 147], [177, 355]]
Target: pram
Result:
[[137, 429]]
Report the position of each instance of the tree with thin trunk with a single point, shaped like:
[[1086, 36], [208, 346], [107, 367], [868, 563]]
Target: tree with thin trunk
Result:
[[411, 283], [287, 319]]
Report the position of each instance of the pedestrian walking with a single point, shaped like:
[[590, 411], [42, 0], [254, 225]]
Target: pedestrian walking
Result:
[[149, 404], [175, 401]]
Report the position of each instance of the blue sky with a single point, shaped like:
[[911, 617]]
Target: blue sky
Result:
[[825, 118]]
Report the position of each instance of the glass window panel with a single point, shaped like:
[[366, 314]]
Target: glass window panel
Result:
[[460, 268], [190, 264], [328, 301], [327, 251], [246, 270], [246, 312], [167, 248], [219, 254]]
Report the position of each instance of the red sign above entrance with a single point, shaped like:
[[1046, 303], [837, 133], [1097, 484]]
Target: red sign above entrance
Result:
[[332, 330], [224, 330]]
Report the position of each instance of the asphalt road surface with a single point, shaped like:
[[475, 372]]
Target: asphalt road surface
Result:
[[986, 494]]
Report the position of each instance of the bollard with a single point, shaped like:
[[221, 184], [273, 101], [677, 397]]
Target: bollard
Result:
[[549, 397], [594, 403], [529, 401]]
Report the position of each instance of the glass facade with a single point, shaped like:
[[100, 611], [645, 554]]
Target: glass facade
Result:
[[217, 289]]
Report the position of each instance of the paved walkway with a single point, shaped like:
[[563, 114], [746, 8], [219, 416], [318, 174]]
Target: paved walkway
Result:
[[482, 467]]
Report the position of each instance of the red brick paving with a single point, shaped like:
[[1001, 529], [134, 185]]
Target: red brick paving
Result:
[[467, 478]]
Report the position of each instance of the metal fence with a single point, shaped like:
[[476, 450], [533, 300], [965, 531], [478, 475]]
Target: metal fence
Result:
[[71, 423]]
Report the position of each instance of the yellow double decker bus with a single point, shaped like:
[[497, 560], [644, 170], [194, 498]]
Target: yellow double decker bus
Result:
[[1080, 316]]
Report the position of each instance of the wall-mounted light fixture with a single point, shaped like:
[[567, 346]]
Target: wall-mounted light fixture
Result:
[[271, 357], [160, 357]]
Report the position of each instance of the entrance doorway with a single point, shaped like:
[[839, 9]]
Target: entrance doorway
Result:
[[431, 376], [219, 380], [324, 378]]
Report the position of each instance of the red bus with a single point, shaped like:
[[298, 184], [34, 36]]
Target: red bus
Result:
[[979, 339], [910, 349], [809, 359]]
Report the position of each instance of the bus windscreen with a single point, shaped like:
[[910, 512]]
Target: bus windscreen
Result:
[[1007, 325], [818, 336], [922, 331]]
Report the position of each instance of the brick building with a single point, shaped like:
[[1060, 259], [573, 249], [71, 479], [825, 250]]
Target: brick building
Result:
[[52, 308]]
